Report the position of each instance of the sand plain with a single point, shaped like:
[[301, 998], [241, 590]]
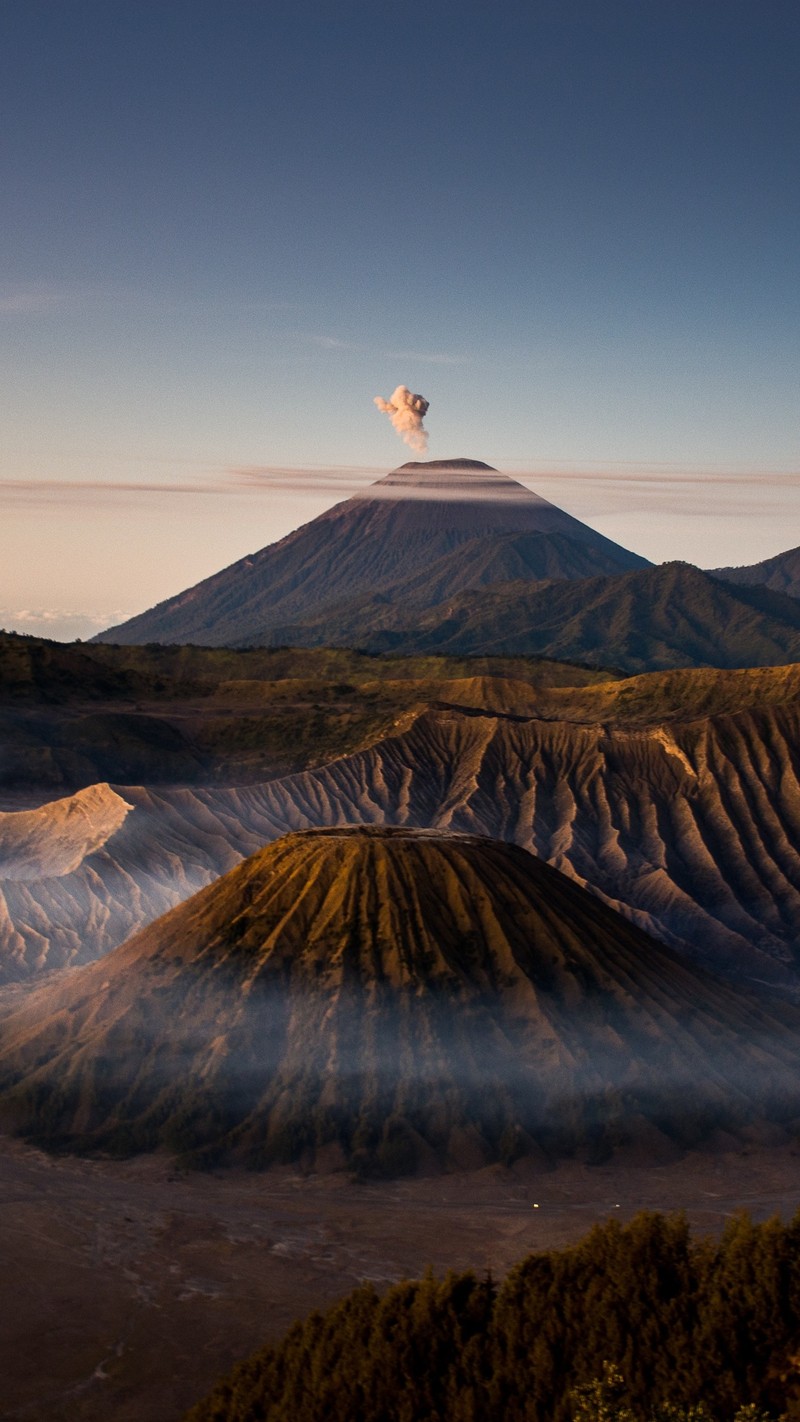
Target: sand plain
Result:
[[127, 1287]]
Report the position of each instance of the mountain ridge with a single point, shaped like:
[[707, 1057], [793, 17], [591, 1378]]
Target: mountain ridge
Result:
[[667, 616]]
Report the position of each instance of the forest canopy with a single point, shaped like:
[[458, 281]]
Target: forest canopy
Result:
[[636, 1322]]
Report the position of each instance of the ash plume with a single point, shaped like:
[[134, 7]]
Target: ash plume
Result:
[[406, 412]]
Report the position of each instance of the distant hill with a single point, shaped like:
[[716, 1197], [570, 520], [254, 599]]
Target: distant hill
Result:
[[403, 526], [454, 557], [781, 573], [673, 615], [388, 999]]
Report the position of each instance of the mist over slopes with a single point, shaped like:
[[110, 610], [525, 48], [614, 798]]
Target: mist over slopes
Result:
[[390, 998], [416, 515]]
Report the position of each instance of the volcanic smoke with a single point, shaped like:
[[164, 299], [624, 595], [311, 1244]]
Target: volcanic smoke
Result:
[[406, 412]]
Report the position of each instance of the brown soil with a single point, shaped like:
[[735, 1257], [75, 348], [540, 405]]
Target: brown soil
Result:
[[127, 1289]]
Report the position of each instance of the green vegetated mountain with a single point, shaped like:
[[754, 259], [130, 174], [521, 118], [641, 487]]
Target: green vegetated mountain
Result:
[[648, 620], [674, 797], [780, 573], [410, 525], [642, 1322], [74, 715], [388, 999]]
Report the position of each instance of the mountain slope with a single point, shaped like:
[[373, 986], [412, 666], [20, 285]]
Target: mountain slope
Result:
[[493, 558], [392, 997], [674, 796], [407, 521], [781, 573], [650, 620]]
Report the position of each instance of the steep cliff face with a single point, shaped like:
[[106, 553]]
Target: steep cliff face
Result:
[[392, 998], [676, 799]]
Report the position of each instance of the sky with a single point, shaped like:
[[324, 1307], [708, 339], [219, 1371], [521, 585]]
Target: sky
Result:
[[229, 224]]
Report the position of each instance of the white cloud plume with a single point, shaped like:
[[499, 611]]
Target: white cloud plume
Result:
[[406, 412]]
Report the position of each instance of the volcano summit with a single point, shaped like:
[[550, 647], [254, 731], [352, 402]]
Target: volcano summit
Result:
[[407, 523]]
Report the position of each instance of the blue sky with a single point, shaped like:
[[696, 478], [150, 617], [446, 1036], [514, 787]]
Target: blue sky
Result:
[[572, 227]]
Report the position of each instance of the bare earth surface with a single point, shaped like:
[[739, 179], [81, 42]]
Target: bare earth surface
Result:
[[126, 1289]]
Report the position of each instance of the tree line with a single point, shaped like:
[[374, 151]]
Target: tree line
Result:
[[636, 1323]]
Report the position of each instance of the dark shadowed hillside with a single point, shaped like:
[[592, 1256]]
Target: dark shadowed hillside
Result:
[[670, 616], [71, 716]]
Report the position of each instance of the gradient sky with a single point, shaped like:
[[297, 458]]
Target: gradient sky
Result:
[[573, 227]]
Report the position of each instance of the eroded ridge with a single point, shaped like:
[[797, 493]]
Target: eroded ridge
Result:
[[691, 827]]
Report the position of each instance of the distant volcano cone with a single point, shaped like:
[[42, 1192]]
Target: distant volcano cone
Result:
[[386, 998], [401, 526]]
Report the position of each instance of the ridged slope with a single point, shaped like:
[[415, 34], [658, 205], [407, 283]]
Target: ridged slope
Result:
[[55, 839], [399, 997], [488, 561], [413, 517], [659, 793]]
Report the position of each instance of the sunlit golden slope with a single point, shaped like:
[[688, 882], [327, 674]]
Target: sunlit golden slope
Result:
[[388, 998], [674, 796]]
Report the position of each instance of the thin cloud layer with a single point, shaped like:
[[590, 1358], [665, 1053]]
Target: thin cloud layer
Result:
[[653, 488]]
